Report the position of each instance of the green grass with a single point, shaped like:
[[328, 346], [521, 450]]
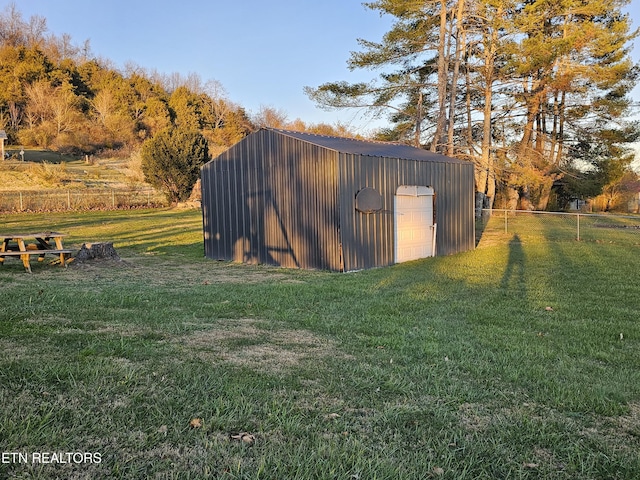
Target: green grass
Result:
[[451, 367]]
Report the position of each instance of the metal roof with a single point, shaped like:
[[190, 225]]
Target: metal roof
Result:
[[367, 147]]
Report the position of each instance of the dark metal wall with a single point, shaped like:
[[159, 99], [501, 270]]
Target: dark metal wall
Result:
[[279, 200], [368, 239], [272, 199]]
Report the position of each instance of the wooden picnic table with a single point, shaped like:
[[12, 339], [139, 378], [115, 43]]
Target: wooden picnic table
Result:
[[18, 245]]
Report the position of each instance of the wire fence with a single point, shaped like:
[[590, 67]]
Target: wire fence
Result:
[[94, 199], [560, 226]]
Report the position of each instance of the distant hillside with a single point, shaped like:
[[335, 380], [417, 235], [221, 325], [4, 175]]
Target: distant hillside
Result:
[[45, 169], [58, 96]]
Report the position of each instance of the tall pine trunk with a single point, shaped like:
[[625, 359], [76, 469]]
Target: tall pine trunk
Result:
[[460, 39], [443, 62]]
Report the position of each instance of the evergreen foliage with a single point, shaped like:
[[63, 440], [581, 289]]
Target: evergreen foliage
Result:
[[58, 96], [517, 87], [171, 161]]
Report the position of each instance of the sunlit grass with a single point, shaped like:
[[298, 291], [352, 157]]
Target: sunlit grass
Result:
[[517, 360]]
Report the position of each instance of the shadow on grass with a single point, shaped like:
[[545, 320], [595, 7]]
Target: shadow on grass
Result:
[[38, 156], [481, 225], [162, 231], [514, 274]]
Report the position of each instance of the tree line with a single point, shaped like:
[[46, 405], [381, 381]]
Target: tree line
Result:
[[534, 92], [58, 95]]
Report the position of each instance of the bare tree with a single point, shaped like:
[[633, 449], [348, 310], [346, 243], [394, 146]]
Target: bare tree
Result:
[[270, 117]]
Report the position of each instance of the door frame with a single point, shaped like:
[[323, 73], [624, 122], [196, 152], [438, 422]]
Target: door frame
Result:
[[415, 191]]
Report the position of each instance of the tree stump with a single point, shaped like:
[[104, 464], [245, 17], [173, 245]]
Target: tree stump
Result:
[[91, 251]]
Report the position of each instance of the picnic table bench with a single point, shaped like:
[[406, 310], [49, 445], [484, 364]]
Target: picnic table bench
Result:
[[14, 245]]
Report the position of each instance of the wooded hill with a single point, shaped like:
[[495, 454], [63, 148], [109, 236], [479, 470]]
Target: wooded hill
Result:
[[57, 95]]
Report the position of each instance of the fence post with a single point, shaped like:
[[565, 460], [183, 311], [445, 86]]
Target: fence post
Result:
[[505, 220], [578, 226], [113, 199], [21, 207], [68, 200]]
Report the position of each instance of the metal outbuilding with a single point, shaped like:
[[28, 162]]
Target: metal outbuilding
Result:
[[302, 200]]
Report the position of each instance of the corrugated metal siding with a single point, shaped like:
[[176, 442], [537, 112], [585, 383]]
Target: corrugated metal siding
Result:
[[272, 199], [368, 239], [280, 199]]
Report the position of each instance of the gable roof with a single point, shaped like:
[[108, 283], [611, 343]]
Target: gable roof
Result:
[[368, 147]]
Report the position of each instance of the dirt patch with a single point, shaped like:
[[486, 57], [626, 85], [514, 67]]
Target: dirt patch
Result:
[[259, 345], [14, 351], [623, 431], [96, 264], [473, 417], [630, 423], [145, 268]]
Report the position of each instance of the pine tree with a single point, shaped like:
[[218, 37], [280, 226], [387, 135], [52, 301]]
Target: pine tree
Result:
[[510, 85], [171, 161], [572, 67]]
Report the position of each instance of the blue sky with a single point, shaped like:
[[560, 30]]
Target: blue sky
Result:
[[262, 52]]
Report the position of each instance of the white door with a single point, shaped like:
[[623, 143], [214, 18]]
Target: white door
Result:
[[414, 227]]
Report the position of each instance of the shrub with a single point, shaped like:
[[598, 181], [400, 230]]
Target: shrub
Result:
[[171, 161]]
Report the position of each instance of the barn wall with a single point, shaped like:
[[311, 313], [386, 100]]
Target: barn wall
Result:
[[272, 199], [368, 239]]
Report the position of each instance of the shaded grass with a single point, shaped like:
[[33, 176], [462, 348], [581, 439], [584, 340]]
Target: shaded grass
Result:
[[451, 367]]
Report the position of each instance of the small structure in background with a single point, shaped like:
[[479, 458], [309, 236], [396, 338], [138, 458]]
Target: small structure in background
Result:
[[3, 137], [633, 204], [302, 200]]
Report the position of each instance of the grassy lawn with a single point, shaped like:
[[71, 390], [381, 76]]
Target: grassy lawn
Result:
[[518, 360]]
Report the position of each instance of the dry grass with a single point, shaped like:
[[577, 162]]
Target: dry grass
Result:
[[145, 268], [259, 345], [49, 170]]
